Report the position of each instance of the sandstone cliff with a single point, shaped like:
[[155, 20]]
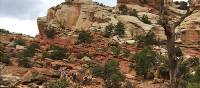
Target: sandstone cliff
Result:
[[78, 15]]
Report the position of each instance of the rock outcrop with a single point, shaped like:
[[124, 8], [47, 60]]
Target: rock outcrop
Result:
[[78, 15]]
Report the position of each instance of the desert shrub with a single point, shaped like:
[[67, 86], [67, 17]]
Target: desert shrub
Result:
[[193, 85], [61, 83], [143, 1], [50, 32], [178, 52], [58, 53], [119, 29], [24, 61], [127, 53], [177, 2], [4, 58], [185, 73], [123, 9], [85, 37], [20, 42], [4, 31], [128, 84], [145, 19], [147, 40], [133, 12], [144, 61], [45, 54], [183, 5], [30, 50], [109, 73], [83, 54], [108, 31], [116, 50]]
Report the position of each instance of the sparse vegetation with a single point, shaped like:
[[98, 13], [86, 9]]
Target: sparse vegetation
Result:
[[183, 5], [108, 31], [85, 37], [144, 61], [4, 58], [116, 50], [61, 83], [128, 84], [58, 53], [123, 9], [145, 19], [109, 73], [20, 42], [133, 12], [119, 29], [147, 40], [3, 31], [143, 1], [50, 32], [24, 61], [30, 50]]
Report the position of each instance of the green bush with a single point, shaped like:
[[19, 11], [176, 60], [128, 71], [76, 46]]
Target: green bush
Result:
[[133, 12], [147, 40], [83, 54], [145, 19], [128, 84], [20, 42], [50, 32], [177, 2], [58, 53], [30, 50], [183, 5], [123, 9], [85, 37], [143, 1], [144, 61], [4, 58], [119, 29], [116, 50], [61, 83], [193, 85], [108, 31], [4, 31], [178, 52], [24, 61], [127, 53], [109, 73]]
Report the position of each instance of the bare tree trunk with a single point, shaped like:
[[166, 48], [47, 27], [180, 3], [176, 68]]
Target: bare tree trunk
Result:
[[172, 60]]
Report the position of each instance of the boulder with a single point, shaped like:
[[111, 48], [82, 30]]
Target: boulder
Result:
[[86, 58], [19, 47]]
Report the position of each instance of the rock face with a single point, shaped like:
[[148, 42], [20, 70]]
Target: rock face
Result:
[[189, 30], [153, 3], [78, 15]]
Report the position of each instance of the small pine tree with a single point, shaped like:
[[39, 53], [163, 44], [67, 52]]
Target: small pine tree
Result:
[[123, 9], [119, 29], [61, 83], [49, 32], [4, 58], [133, 12], [183, 5], [24, 61], [145, 19], [20, 42], [85, 37], [58, 53], [108, 31], [109, 73]]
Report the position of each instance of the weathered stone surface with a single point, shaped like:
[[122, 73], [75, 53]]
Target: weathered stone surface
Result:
[[19, 47]]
